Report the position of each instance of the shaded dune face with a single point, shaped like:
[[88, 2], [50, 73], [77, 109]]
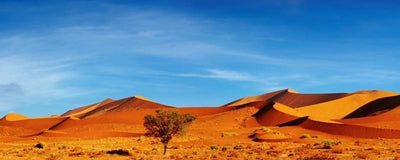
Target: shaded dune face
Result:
[[364, 114]]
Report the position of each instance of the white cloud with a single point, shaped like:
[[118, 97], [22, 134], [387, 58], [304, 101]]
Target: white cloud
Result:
[[26, 81], [222, 74], [148, 33]]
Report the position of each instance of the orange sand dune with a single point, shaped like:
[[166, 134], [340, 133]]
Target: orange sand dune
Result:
[[376, 107], [122, 121], [14, 117], [126, 104], [339, 108], [290, 98], [107, 122], [133, 117]]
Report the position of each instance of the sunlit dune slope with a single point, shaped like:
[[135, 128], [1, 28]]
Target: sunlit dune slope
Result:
[[14, 117]]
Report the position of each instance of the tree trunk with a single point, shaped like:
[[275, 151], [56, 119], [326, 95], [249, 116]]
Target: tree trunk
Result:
[[165, 149]]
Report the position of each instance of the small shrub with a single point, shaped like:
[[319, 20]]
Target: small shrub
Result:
[[225, 148], [305, 136], [361, 156], [276, 132], [214, 147], [238, 146], [41, 145], [141, 138], [328, 143], [63, 147], [223, 134], [314, 136], [119, 152], [77, 149], [320, 157], [76, 154], [53, 156], [337, 151]]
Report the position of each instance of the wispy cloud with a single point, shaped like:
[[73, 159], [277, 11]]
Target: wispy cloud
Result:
[[222, 74], [263, 83], [25, 81]]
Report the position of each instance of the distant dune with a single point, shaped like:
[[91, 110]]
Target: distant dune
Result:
[[14, 117], [363, 114]]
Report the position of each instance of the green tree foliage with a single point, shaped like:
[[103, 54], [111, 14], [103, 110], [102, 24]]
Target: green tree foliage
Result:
[[166, 124]]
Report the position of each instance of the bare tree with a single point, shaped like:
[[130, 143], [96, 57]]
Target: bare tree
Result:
[[166, 124]]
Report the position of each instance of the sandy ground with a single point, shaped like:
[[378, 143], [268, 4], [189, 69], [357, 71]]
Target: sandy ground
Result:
[[181, 148]]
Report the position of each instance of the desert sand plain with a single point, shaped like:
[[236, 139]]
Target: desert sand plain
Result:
[[278, 125]]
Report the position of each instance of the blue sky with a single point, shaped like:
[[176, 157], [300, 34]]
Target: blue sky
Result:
[[58, 55]]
